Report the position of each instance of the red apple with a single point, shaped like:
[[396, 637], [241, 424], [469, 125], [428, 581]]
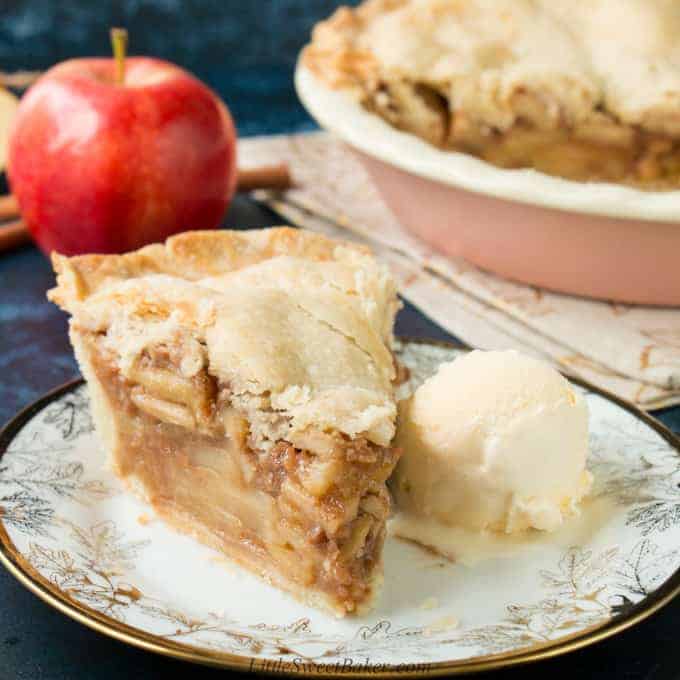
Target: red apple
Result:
[[103, 167]]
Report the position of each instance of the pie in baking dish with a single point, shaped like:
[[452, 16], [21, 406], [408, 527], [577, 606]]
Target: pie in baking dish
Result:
[[583, 89], [242, 383]]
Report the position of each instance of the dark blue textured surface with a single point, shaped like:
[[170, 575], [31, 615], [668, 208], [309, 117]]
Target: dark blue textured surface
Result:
[[198, 34], [246, 51]]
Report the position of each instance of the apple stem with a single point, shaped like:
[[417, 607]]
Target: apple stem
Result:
[[119, 37]]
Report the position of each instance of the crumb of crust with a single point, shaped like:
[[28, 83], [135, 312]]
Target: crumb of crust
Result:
[[429, 603], [144, 519], [441, 625]]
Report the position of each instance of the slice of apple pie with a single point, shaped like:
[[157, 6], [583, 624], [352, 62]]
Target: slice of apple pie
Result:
[[242, 384]]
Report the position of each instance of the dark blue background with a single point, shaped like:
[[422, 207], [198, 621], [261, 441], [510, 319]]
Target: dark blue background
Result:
[[246, 51], [244, 48]]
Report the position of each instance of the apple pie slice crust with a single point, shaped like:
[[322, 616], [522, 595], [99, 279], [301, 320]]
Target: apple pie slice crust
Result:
[[305, 513]]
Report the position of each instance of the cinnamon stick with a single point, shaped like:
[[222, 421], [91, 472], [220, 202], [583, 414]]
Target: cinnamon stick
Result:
[[265, 177], [9, 209], [13, 235]]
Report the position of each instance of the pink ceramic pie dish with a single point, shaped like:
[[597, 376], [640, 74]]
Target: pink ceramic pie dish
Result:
[[598, 240]]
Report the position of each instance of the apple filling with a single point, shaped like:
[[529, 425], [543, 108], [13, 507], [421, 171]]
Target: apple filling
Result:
[[307, 514], [599, 149]]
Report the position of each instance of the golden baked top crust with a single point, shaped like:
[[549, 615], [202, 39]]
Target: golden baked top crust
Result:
[[191, 255], [549, 62], [281, 316]]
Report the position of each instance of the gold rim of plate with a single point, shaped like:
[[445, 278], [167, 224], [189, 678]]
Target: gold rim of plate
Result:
[[25, 573]]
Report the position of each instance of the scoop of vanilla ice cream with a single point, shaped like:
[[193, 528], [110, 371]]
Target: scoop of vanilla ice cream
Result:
[[494, 440]]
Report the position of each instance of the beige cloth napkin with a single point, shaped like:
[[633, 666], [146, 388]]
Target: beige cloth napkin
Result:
[[629, 350]]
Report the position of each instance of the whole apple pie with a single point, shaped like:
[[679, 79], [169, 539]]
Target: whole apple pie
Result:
[[242, 383], [583, 89]]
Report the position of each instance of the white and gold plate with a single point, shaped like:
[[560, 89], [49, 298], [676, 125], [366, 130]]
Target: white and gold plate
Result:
[[72, 535]]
